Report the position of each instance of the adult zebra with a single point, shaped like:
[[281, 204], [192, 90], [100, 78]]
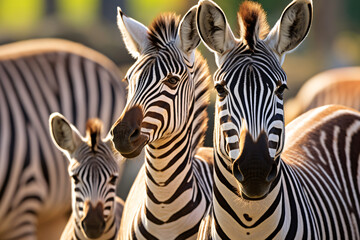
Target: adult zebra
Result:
[[165, 113], [257, 194], [335, 86], [39, 77], [94, 168]]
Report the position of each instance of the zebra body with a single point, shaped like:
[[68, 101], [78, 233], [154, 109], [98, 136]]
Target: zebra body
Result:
[[165, 114], [325, 159], [257, 194], [335, 86], [39, 77], [96, 211]]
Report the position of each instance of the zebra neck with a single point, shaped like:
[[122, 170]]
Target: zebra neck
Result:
[[169, 175], [255, 219], [110, 231]]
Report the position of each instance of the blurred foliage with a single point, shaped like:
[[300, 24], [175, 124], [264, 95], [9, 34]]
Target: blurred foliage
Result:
[[80, 12], [20, 15], [153, 8]]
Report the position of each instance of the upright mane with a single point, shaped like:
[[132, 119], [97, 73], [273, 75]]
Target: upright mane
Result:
[[163, 30], [252, 22], [93, 132], [202, 96]]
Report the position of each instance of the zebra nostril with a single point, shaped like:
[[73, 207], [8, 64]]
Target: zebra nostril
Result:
[[237, 172], [272, 174], [135, 135]]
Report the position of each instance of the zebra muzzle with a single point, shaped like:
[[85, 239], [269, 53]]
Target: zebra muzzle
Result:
[[254, 170], [93, 224], [126, 133]]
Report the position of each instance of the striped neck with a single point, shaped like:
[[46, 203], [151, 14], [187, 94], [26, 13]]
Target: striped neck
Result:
[[169, 173], [255, 219]]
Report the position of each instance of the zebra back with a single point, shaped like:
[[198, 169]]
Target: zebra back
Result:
[[38, 77], [335, 86], [322, 148]]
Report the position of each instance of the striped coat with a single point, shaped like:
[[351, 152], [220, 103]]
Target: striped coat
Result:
[[39, 77]]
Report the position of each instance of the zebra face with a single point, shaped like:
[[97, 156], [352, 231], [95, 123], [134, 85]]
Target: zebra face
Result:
[[249, 117], [94, 180], [94, 171], [161, 86], [249, 123]]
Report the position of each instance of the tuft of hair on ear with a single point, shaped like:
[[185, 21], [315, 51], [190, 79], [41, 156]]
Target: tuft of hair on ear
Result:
[[93, 132], [252, 23]]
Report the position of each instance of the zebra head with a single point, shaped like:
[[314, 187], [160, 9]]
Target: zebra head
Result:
[[249, 122], [93, 169], [161, 82]]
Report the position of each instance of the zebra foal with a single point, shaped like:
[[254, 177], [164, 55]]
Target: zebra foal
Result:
[[166, 115], [38, 77], [96, 210]]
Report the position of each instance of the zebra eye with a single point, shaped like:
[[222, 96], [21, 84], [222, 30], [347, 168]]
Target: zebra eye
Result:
[[113, 180], [221, 90], [280, 91], [75, 178], [171, 81]]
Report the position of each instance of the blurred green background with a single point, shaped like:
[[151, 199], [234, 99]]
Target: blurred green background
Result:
[[334, 39]]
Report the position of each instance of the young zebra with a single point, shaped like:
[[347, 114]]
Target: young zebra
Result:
[[335, 86], [94, 171], [256, 194], [165, 114], [38, 77]]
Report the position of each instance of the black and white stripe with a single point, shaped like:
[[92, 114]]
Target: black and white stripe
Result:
[[96, 211], [37, 78], [315, 192], [169, 85]]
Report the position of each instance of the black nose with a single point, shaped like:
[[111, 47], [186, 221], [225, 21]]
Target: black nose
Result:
[[126, 130], [255, 170], [93, 223]]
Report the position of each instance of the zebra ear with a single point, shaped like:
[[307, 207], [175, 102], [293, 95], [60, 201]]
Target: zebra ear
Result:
[[291, 29], [64, 135], [134, 33], [188, 38], [214, 29]]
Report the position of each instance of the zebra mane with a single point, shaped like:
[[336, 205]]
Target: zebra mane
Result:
[[93, 132], [252, 23], [164, 29], [202, 96]]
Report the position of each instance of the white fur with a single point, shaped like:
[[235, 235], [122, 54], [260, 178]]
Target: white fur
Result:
[[135, 34], [183, 40], [64, 135], [221, 41], [279, 39]]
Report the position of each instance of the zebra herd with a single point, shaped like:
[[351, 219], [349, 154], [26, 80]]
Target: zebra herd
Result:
[[254, 183]]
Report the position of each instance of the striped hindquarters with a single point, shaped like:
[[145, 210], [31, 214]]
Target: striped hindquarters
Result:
[[323, 148], [34, 82]]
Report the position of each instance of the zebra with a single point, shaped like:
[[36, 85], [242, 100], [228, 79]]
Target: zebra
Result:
[[256, 193], [166, 115], [96, 210], [335, 86], [38, 77]]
